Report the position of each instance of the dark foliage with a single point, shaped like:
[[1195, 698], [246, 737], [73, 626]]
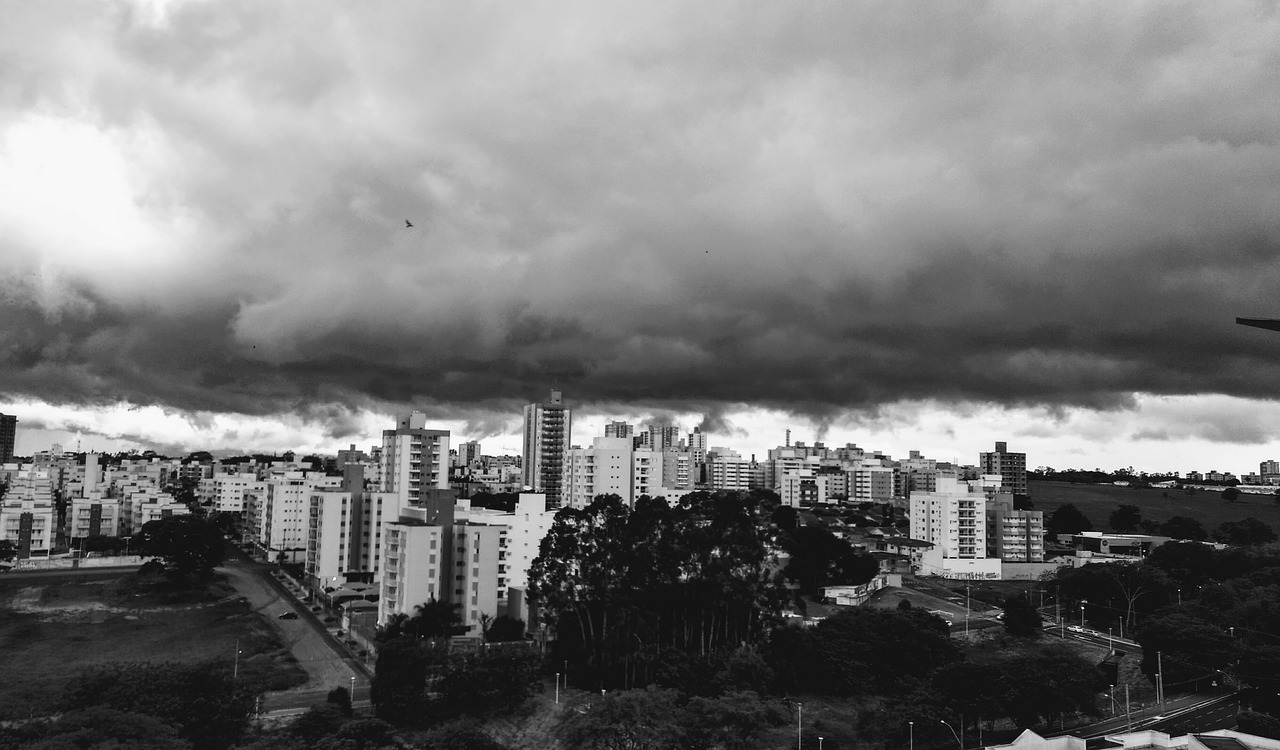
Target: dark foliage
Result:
[[201, 700], [1021, 618], [190, 546], [1067, 519], [1125, 519], [623, 587]]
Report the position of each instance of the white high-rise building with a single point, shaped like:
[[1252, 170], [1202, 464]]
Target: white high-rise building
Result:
[[548, 430], [414, 458], [954, 519], [27, 515], [611, 466]]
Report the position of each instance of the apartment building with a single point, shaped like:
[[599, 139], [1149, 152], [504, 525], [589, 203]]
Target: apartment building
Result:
[[1014, 535], [27, 515], [346, 530], [611, 466], [953, 520], [548, 431], [142, 503], [1010, 467], [277, 516], [228, 493], [413, 458], [727, 470]]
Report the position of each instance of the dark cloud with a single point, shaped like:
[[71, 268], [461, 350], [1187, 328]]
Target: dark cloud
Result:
[[676, 209]]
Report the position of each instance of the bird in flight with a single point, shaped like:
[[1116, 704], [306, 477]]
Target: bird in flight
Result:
[[408, 223]]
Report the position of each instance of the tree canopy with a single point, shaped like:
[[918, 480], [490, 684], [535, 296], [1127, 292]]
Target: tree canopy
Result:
[[190, 546], [1067, 519], [620, 586]]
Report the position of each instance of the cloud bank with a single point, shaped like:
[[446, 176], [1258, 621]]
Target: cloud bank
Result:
[[818, 209]]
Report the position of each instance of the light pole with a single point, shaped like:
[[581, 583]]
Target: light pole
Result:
[[911, 735], [235, 669], [799, 726], [1082, 603], [557, 688], [1179, 596], [953, 734], [353, 689], [819, 742], [1109, 647]]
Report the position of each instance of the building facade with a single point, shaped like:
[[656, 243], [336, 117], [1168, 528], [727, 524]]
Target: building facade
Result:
[[548, 429]]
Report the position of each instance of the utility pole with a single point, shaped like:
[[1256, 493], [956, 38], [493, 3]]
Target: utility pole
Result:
[[1127, 716], [1160, 678]]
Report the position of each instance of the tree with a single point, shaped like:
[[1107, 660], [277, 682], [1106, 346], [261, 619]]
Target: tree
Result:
[[105, 729], [1021, 618], [1141, 588], [190, 546], [1125, 518], [8, 550], [622, 586], [1067, 519], [504, 628], [820, 558], [496, 679], [862, 651], [1192, 647], [1246, 532], [1231, 494], [785, 517], [201, 699], [464, 734], [650, 719], [1258, 723], [399, 690], [436, 619], [340, 697], [1188, 563], [1183, 527]]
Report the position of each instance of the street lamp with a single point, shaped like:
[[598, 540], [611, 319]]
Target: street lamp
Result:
[[557, 688], [911, 735], [1082, 603], [819, 742], [953, 734], [799, 726], [1179, 596]]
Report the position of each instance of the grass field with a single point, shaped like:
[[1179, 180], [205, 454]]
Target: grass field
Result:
[[1097, 501], [50, 632]]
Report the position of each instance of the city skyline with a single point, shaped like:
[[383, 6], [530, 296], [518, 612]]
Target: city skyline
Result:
[[907, 226]]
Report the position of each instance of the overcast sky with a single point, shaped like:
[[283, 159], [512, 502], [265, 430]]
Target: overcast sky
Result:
[[906, 225]]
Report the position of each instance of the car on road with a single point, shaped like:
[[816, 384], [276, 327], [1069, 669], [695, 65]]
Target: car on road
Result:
[[288, 615], [1075, 629]]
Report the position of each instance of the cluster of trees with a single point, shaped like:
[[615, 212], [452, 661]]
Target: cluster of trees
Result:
[[1098, 476], [630, 592], [189, 546], [421, 682], [1214, 615], [164, 705]]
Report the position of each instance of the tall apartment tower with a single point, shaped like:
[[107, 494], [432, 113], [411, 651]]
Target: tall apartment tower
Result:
[[548, 427], [1012, 468], [8, 436], [414, 459], [698, 445], [619, 429]]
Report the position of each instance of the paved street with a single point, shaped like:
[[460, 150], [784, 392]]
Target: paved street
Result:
[[310, 645]]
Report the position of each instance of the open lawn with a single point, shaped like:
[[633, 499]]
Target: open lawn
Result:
[[1098, 501], [49, 632]]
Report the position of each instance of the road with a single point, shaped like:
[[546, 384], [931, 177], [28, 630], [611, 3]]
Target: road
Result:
[[310, 644], [1191, 713]]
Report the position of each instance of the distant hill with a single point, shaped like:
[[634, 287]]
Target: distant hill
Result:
[[1097, 501]]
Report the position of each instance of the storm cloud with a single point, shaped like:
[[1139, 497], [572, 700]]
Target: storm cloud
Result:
[[816, 208]]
